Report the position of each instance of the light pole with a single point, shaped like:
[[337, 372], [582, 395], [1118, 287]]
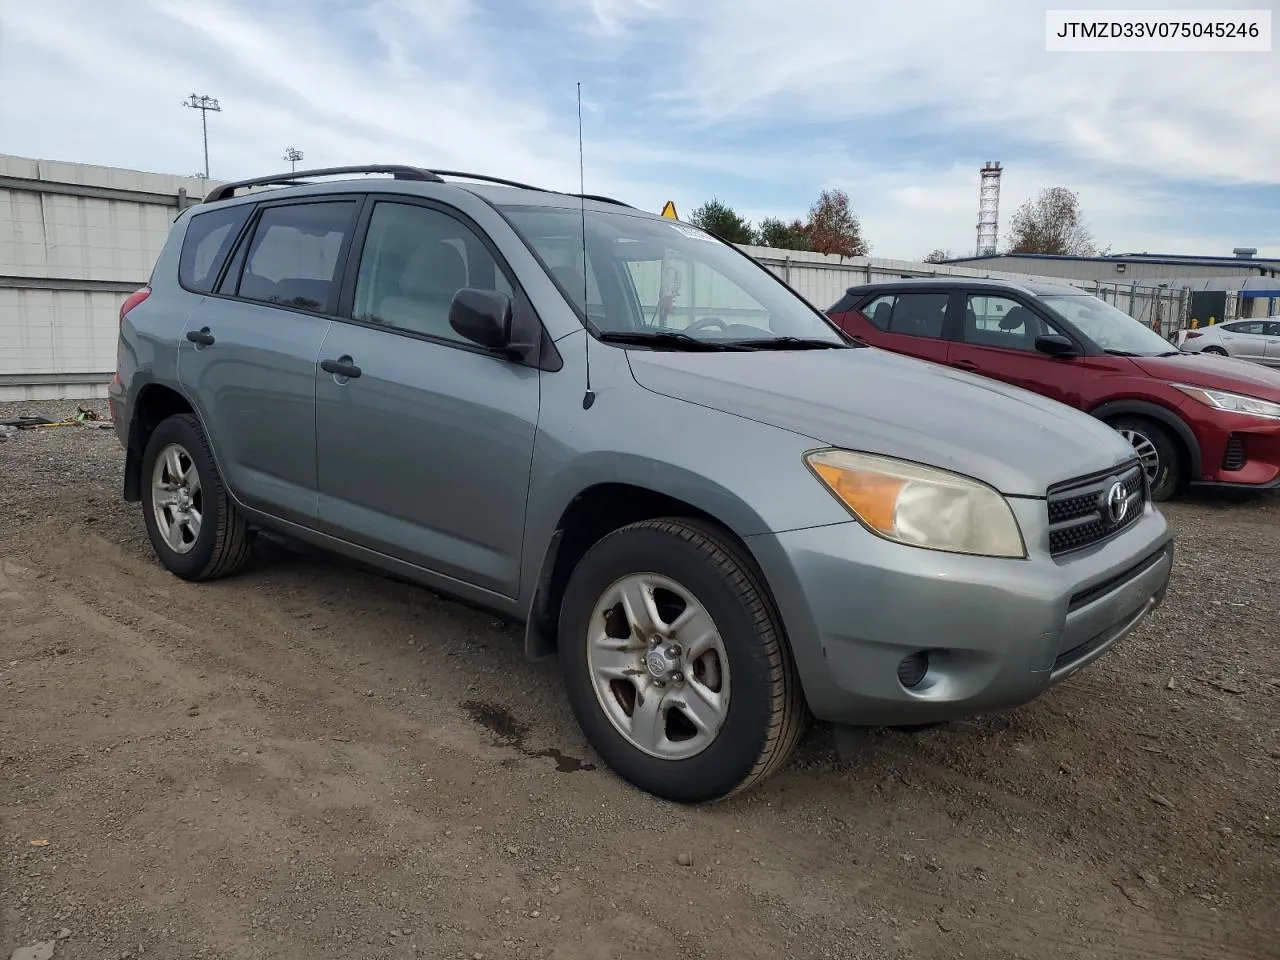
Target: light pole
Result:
[[204, 105], [293, 155]]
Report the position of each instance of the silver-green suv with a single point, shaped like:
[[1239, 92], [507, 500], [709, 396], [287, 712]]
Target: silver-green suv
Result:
[[720, 512]]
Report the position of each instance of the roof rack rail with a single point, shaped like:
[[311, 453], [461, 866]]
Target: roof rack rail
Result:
[[398, 171], [484, 178]]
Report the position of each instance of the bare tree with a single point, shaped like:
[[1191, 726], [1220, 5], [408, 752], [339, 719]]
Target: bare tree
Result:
[[834, 228], [937, 256], [1052, 224]]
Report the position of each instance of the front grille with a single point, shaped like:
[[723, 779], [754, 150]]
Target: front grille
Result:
[[1234, 458], [1082, 512]]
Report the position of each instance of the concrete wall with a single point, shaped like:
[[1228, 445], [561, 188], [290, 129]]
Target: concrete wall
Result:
[[75, 240]]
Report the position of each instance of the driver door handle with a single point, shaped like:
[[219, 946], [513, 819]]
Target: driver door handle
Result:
[[342, 367]]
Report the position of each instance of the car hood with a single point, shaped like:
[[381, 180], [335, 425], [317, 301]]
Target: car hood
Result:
[[1218, 373], [874, 401]]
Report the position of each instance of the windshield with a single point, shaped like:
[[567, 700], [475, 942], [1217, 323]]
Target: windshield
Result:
[[1109, 328], [654, 277]]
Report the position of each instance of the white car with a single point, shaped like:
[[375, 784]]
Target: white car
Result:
[[1257, 340]]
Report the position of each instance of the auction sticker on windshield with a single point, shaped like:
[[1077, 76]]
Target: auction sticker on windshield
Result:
[[691, 233]]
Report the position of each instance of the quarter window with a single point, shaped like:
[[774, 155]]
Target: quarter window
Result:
[[414, 260], [205, 245], [293, 259]]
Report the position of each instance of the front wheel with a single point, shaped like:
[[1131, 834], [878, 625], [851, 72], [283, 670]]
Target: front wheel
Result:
[[674, 663], [1157, 452]]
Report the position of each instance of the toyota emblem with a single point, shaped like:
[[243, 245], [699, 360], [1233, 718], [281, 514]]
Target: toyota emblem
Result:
[[1117, 502]]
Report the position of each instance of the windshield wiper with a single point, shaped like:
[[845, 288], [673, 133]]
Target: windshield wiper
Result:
[[665, 338], [788, 343], [1123, 353]]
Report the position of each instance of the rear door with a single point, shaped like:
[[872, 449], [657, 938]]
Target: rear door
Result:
[[997, 339], [249, 355], [910, 322], [424, 455]]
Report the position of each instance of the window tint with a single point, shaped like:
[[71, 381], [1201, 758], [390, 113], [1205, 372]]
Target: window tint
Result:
[[414, 260], [1245, 326], [1271, 328], [1001, 322], [879, 311], [293, 257], [918, 314], [205, 244]]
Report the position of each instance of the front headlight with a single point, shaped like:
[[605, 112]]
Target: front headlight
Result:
[[920, 506], [1231, 402]]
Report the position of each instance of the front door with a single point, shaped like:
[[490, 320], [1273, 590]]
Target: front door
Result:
[[248, 355], [425, 454], [998, 338]]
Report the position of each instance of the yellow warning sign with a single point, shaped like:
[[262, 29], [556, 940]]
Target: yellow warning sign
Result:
[[669, 211]]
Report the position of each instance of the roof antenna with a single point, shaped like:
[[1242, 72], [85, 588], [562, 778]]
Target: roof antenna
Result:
[[589, 397]]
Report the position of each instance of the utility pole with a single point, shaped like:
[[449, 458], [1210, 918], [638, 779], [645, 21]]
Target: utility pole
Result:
[[293, 155], [204, 105]]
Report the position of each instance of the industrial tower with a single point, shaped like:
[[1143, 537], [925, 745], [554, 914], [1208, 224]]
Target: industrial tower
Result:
[[989, 208]]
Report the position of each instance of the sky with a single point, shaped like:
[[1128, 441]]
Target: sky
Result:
[[759, 103]]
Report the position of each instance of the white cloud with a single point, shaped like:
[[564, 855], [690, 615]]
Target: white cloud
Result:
[[682, 100]]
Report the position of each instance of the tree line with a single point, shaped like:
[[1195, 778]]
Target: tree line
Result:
[[831, 227], [1050, 223]]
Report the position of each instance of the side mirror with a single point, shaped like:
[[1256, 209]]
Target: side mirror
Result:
[[1055, 345], [482, 316]]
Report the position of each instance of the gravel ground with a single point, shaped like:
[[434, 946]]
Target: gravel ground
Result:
[[313, 761]]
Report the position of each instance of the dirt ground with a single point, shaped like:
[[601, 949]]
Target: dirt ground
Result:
[[312, 761]]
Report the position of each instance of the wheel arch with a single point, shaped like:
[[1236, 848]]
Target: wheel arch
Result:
[[1188, 445], [153, 404], [589, 516]]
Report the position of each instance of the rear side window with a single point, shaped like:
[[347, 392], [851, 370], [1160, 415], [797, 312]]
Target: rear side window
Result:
[[206, 244], [910, 314], [293, 258]]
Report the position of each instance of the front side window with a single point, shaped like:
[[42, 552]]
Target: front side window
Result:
[[414, 260], [205, 245], [293, 257], [650, 276], [1111, 329], [1002, 322]]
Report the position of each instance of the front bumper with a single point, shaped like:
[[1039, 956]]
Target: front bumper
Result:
[[997, 632]]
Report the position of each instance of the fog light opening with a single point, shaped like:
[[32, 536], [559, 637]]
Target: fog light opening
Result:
[[913, 668]]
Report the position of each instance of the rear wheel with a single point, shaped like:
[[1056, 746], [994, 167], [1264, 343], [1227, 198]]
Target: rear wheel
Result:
[[674, 663], [1216, 351], [1157, 451], [194, 528]]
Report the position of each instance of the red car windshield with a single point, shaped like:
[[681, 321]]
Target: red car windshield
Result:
[[1111, 329]]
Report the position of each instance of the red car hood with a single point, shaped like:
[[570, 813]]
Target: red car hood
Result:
[[1216, 373]]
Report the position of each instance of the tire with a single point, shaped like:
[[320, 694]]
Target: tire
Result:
[[1151, 440], [212, 539], [1216, 351], [746, 666]]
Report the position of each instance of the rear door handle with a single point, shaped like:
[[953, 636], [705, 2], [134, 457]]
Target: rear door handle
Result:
[[201, 336], [342, 367]]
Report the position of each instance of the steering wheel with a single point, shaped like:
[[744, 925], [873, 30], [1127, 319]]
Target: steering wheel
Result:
[[705, 322]]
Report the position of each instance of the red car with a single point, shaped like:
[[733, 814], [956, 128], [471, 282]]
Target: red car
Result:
[[1194, 420]]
